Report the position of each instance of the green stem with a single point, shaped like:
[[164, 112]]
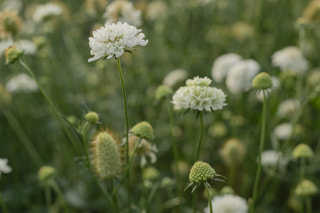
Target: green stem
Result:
[[209, 197], [200, 136], [308, 204], [127, 129], [85, 144], [258, 10], [194, 201], [262, 138], [23, 138], [48, 197], [302, 169], [59, 193], [3, 205], [50, 104]]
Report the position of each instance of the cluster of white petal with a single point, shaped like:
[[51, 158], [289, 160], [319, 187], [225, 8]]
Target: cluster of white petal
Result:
[[287, 108], [240, 76], [123, 11], [4, 167], [283, 131], [21, 83], [290, 58], [221, 66], [198, 95], [228, 204], [46, 10], [112, 40]]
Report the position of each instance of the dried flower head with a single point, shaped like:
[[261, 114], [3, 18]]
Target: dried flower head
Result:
[[106, 155], [112, 40], [10, 24], [13, 54], [198, 95]]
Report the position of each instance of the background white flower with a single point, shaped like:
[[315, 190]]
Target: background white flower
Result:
[[240, 76], [221, 66], [290, 58], [283, 131], [4, 167], [28, 47], [287, 108], [174, 77], [228, 204], [112, 40], [21, 83], [46, 10]]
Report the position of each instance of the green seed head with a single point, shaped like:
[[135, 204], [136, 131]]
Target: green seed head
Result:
[[106, 160], [262, 81], [45, 174], [13, 54], [227, 190], [150, 173], [143, 130], [233, 151], [92, 117], [306, 188], [162, 92], [201, 172], [302, 151]]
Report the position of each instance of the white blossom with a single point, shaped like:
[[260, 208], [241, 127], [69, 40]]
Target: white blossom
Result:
[[28, 47], [112, 40], [46, 10], [4, 167], [287, 108], [228, 203], [156, 10], [21, 83], [174, 77], [198, 95], [283, 131], [240, 76], [290, 58], [221, 66]]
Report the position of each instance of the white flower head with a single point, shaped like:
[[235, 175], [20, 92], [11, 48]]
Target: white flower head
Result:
[[156, 10], [28, 47], [290, 58], [198, 95], [228, 203], [4, 167], [112, 40], [270, 158], [123, 11], [283, 131], [287, 108], [174, 77], [46, 10], [240, 76], [222, 65], [21, 83]]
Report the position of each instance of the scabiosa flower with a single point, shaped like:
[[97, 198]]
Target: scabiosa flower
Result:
[[21, 83], [28, 47], [287, 108], [229, 204], [46, 11], [275, 84], [290, 58], [306, 188], [4, 167], [221, 66], [174, 77], [156, 10], [233, 151], [123, 11], [198, 95], [283, 131], [240, 76], [112, 40]]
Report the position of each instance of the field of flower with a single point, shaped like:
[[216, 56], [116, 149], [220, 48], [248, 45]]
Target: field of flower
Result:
[[182, 106]]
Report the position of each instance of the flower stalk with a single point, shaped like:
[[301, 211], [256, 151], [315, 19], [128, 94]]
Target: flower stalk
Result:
[[200, 136]]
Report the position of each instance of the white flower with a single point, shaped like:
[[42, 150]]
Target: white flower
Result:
[[12, 4], [240, 76], [222, 65], [290, 58], [283, 131], [174, 77], [156, 10], [275, 84], [46, 10], [270, 158], [123, 11], [228, 203], [28, 47], [198, 95], [21, 83], [287, 108], [4, 167], [112, 40]]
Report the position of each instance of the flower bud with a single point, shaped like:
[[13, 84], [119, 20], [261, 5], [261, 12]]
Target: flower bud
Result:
[[233, 151], [150, 173], [12, 54], [262, 81], [143, 130], [162, 92], [306, 188], [106, 156], [302, 151], [45, 174], [92, 117], [201, 172]]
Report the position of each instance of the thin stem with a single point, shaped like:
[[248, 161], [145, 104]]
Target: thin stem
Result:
[[85, 143], [200, 136], [209, 197], [194, 201], [23, 138], [302, 169], [52, 107], [59, 193], [3, 205], [127, 129], [48, 197], [262, 138], [308, 204]]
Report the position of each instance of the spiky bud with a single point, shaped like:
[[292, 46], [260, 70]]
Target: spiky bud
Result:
[[201, 172], [12, 54], [143, 130], [106, 156], [306, 188], [262, 81], [92, 117], [46, 174], [302, 151]]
